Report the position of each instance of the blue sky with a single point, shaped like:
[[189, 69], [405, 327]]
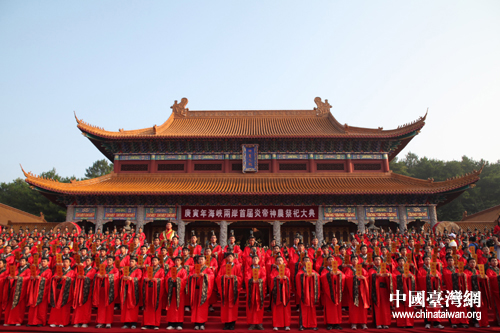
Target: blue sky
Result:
[[121, 64]]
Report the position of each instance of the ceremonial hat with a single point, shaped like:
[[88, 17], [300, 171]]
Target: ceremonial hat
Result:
[[313, 235], [133, 258], [231, 233], [251, 235]]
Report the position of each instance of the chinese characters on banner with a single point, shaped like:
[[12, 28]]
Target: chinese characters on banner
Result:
[[251, 213], [120, 213], [85, 213], [250, 158]]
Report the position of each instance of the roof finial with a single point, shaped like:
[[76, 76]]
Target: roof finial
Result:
[[25, 174], [179, 109], [77, 120], [323, 107]]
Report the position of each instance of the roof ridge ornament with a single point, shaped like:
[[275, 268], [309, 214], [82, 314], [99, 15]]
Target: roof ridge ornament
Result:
[[180, 109], [323, 107]]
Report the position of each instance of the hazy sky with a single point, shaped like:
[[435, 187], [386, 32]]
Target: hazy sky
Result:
[[121, 64]]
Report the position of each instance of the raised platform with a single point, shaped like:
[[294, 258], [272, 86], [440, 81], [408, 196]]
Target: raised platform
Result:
[[214, 324]]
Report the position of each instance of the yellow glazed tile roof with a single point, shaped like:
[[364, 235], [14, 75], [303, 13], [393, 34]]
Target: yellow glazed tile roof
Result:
[[252, 184], [8, 213], [316, 123]]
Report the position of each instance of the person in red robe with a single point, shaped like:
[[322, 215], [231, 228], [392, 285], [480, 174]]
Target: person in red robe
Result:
[[4, 274], [61, 296], [216, 248], [430, 283], [407, 284], [478, 283], [105, 291], [194, 249], [280, 287], [38, 295], [175, 290], [453, 281], [17, 289], [357, 294], [333, 287], [295, 264], [232, 247], [212, 263], [493, 274], [308, 292], [82, 298], [381, 288], [152, 295], [199, 290], [130, 291], [8, 256], [229, 286]]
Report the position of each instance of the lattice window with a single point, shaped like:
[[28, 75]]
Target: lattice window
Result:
[[171, 167], [134, 167], [208, 167], [367, 166], [264, 166], [237, 167], [330, 166], [293, 166]]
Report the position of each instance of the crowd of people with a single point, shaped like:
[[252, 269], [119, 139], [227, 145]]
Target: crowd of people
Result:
[[58, 277]]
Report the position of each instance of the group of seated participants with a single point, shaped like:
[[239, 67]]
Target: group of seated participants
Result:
[[58, 278]]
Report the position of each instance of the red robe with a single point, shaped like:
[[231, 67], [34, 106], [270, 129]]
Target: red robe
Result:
[[104, 294], [4, 295], [38, 297], [256, 292], [357, 307], [237, 252], [152, 295], [175, 290], [406, 285], [229, 290], [428, 283], [280, 290], [82, 298], [16, 305], [333, 287], [494, 280], [451, 281], [194, 250], [130, 295], [308, 291], [199, 290], [61, 298], [381, 289], [476, 283]]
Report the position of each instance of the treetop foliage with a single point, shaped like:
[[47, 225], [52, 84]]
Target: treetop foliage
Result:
[[19, 195], [486, 194]]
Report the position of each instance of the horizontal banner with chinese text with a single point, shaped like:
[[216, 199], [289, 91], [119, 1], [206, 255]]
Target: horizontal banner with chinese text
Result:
[[251, 213]]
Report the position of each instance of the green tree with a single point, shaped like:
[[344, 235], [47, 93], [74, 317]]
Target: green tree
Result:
[[98, 169]]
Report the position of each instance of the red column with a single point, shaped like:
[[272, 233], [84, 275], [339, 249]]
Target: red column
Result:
[[349, 163], [385, 163], [226, 163], [152, 166], [189, 167], [312, 163], [274, 164]]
